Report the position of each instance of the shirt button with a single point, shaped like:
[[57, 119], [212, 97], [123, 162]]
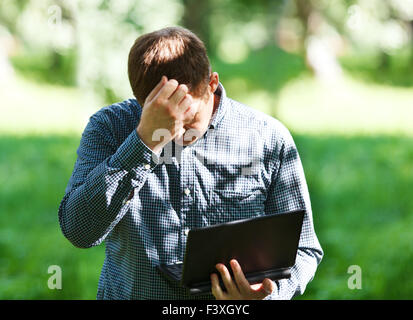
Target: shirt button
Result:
[[125, 201], [186, 232], [147, 166], [187, 191]]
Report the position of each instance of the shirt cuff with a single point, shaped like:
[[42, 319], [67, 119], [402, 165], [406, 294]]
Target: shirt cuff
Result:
[[133, 153]]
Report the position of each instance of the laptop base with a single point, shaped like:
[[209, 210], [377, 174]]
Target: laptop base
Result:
[[173, 274]]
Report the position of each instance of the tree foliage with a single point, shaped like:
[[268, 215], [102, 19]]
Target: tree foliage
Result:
[[86, 43]]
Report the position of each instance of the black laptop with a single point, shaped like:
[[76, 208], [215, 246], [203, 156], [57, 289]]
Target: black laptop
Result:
[[265, 247]]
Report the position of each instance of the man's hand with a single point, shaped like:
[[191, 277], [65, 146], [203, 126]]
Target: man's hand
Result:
[[241, 288], [167, 107]]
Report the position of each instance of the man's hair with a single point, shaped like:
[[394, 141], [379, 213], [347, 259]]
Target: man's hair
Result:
[[174, 52]]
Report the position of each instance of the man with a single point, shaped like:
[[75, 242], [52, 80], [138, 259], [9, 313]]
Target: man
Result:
[[182, 155]]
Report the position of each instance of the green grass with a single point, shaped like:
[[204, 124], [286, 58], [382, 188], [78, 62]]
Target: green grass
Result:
[[360, 189], [34, 171], [355, 141], [363, 211]]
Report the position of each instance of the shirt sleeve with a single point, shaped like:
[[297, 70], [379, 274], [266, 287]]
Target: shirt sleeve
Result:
[[103, 178], [289, 192]]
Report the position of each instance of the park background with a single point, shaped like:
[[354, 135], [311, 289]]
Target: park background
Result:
[[338, 74]]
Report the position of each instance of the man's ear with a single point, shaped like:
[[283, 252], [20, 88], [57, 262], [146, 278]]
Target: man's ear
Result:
[[213, 81]]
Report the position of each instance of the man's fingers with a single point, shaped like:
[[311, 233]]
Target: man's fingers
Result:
[[167, 90], [185, 102], [188, 108], [216, 288], [263, 290], [158, 87], [241, 288], [242, 282], [179, 94], [226, 278]]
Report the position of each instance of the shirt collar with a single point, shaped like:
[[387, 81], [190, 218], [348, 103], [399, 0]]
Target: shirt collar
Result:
[[222, 107]]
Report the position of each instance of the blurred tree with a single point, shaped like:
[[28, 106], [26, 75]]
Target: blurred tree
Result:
[[196, 18], [86, 42], [44, 36], [308, 29], [9, 11], [268, 10], [83, 43], [322, 31]]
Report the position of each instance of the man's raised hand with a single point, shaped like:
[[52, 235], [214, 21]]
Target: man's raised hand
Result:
[[167, 108]]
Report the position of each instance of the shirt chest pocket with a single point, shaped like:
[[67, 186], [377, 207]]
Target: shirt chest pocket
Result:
[[230, 205]]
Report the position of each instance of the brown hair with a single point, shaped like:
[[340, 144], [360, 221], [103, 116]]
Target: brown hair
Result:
[[174, 52]]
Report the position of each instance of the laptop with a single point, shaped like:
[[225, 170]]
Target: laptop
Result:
[[265, 247]]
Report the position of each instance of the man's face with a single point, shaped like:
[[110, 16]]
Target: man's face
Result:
[[205, 107]]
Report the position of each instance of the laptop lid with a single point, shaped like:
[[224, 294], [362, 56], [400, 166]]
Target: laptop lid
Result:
[[259, 244]]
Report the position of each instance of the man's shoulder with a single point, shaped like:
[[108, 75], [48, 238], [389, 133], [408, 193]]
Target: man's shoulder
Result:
[[249, 117], [117, 119], [119, 111]]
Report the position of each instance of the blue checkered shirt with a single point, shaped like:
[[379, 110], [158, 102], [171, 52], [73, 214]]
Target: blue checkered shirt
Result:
[[142, 204]]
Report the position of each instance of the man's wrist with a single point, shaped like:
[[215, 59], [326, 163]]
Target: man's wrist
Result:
[[155, 146], [132, 153]]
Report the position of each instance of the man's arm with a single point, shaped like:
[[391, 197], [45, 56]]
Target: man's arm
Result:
[[102, 180], [103, 177], [288, 192]]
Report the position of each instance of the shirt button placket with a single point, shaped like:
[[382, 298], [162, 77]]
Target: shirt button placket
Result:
[[187, 195], [187, 192]]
